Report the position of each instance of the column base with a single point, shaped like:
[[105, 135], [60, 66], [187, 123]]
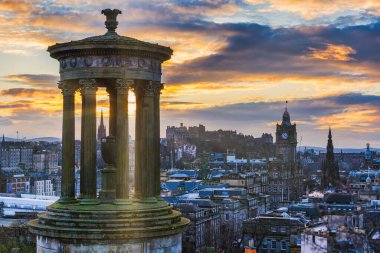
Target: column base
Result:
[[67, 200], [121, 202], [159, 198], [148, 200], [86, 201]]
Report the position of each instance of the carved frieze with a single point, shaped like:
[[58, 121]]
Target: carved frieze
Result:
[[110, 61]]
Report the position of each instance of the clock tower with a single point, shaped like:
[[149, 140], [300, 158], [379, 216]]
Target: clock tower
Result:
[[286, 138]]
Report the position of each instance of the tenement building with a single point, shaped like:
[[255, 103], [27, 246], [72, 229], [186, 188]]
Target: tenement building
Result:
[[284, 172], [114, 220]]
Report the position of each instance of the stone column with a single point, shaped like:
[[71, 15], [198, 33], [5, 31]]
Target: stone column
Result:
[[112, 113], [122, 141], [88, 142], [146, 141], [68, 143], [157, 157]]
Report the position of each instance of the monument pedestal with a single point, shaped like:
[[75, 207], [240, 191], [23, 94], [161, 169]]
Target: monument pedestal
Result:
[[135, 228], [172, 244]]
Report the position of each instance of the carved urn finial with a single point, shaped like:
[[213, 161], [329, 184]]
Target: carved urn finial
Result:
[[111, 22]]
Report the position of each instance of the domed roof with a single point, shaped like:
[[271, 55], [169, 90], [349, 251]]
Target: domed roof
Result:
[[109, 41]]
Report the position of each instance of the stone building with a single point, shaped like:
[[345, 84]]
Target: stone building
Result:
[[204, 227], [44, 161], [285, 175], [14, 153], [274, 232]]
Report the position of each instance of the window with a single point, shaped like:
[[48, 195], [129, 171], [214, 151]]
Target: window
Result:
[[283, 229], [274, 244], [265, 243], [273, 229], [283, 245]]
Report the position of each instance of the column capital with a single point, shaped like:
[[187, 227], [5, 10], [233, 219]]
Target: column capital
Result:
[[122, 85], [149, 88], [66, 89], [88, 86]]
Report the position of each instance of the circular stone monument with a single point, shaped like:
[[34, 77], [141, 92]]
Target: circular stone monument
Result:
[[114, 220]]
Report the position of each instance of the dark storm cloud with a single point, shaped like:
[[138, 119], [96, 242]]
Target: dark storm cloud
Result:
[[257, 49], [357, 99]]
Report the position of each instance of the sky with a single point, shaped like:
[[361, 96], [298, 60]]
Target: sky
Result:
[[235, 64]]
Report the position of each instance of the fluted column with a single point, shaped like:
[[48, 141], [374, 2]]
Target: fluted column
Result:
[[88, 142], [146, 141], [112, 113], [68, 143], [157, 157], [122, 141]]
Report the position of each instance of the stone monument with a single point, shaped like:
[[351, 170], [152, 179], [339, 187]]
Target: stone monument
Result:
[[114, 221]]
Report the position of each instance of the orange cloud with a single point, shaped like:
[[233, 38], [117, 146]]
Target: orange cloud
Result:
[[333, 52], [355, 118], [311, 9]]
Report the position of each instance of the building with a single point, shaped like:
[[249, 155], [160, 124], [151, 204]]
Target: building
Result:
[[204, 227], [285, 175], [14, 153], [43, 187], [14, 180], [330, 169], [45, 161], [275, 232]]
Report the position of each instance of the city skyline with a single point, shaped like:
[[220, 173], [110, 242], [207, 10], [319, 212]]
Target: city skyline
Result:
[[235, 64]]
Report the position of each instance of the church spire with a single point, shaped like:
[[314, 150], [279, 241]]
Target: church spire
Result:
[[3, 138], [101, 118], [330, 167], [101, 129]]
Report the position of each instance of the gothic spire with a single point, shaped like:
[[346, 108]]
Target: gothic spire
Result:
[[101, 118]]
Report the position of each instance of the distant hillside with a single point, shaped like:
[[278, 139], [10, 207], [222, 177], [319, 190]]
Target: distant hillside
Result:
[[337, 150], [47, 139]]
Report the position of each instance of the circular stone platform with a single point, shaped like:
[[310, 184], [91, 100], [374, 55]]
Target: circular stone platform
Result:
[[138, 227]]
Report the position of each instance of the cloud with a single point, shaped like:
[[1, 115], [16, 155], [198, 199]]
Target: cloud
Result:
[[22, 92], [40, 81], [260, 53], [313, 9], [333, 52]]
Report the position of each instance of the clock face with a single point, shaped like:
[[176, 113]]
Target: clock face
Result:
[[284, 136]]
